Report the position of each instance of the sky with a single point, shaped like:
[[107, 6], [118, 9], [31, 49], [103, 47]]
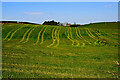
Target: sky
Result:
[[60, 0], [79, 12]]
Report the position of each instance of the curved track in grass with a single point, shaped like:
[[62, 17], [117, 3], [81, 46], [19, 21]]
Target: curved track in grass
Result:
[[60, 52]]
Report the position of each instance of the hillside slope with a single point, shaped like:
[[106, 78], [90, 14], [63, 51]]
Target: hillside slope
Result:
[[37, 51]]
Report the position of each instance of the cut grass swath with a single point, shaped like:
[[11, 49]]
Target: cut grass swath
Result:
[[7, 35], [14, 33], [104, 39], [91, 36], [29, 34], [43, 35], [97, 39], [108, 36], [79, 37], [68, 36], [53, 37], [76, 41], [100, 35], [39, 72], [58, 38], [82, 36], [25, 34], [39, 35]]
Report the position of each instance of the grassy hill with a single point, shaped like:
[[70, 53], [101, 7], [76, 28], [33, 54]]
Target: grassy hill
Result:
[[37, 51]]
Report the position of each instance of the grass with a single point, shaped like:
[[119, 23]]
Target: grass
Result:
[[27, 60]]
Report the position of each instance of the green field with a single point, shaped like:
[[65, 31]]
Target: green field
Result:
[[43, 51]]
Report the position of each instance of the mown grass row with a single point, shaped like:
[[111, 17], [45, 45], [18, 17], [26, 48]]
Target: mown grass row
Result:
[[71, 52], [84, 34], [19, 67]]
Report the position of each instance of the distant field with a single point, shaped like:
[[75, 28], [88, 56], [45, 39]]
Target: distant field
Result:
[[37, 51]]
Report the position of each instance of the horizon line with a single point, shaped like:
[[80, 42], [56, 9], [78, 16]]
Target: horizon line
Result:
[[60, 22]]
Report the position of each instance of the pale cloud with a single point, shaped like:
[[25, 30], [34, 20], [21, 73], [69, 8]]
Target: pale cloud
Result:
[[109, 5], [33, 13]]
